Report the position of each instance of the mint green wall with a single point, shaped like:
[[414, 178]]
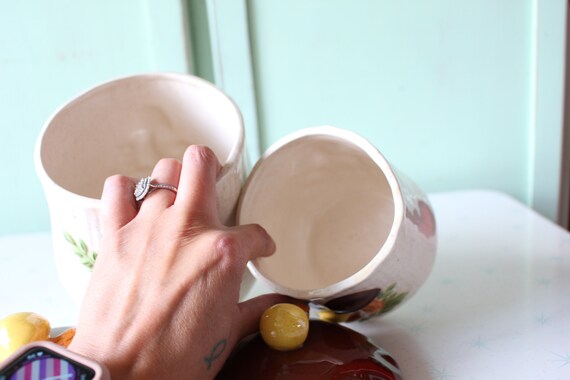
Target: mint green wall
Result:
[[52, 50], [456, 93], [448, 90]]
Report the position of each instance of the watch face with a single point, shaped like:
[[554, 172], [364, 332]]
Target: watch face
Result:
[[43, 364]]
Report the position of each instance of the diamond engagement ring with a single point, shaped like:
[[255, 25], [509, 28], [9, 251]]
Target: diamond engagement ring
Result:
[[144, 187]]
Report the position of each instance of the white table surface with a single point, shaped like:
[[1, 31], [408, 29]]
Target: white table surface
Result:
[[496, 306]]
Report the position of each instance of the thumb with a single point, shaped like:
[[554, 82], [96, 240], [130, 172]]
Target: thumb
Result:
[[251, 310]]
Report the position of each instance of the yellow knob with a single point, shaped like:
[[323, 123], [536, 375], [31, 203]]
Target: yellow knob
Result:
[[284, 326]]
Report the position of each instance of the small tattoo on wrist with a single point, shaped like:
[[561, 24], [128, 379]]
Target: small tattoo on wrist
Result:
[[216, 352]]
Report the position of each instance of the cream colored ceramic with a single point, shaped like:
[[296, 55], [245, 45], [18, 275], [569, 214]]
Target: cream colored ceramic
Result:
[[124, 127], [344, 221]]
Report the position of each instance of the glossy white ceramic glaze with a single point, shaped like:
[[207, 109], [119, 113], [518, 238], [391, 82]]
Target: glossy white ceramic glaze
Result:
[[124, 127], [343, 219]]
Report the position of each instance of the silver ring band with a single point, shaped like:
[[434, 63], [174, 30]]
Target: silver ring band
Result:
[[144, 187]]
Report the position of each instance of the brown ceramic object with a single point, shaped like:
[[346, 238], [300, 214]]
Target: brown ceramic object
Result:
[[331, 352]]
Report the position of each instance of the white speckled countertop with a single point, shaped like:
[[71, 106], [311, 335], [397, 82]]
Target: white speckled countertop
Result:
[[496, 306]]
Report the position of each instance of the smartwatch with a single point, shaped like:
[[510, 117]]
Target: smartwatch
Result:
[[45, 360]]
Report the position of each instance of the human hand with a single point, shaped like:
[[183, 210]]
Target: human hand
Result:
[[163, 298]]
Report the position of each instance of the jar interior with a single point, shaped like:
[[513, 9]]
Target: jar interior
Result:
[[328, 206]]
